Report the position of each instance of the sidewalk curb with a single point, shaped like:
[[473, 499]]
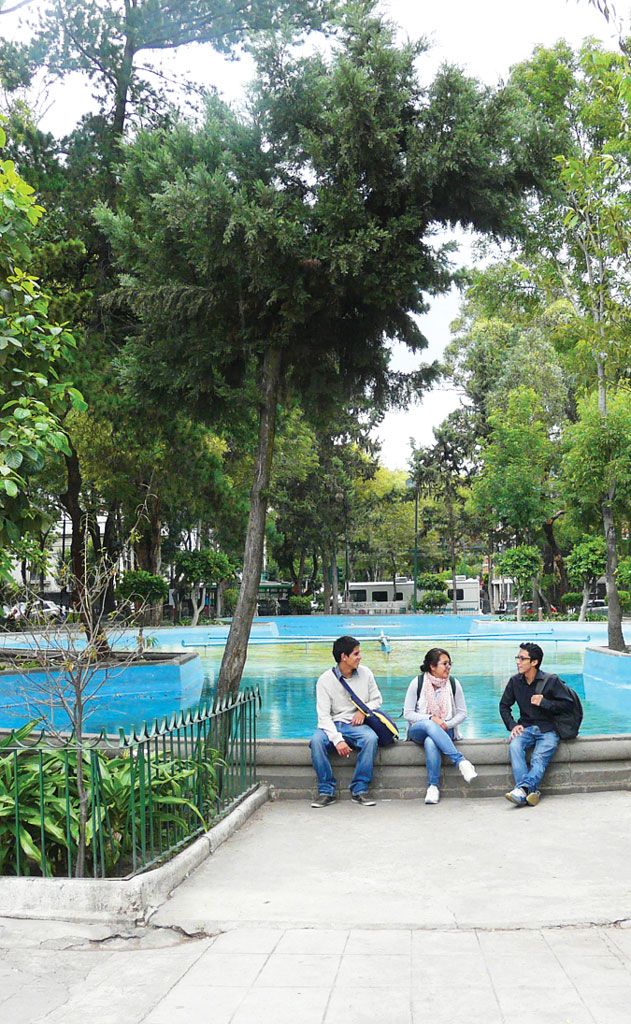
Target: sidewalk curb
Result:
[[118, 899]]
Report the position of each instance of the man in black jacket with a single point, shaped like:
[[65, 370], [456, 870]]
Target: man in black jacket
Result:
[[536, 726]]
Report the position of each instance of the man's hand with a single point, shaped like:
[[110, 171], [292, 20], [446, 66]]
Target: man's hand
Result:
[[343, 749], [517, 731], [358, 718], [536, 699], [439, 721]]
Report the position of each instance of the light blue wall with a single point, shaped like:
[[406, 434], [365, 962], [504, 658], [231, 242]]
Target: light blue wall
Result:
[[139, 693], [607, 679]]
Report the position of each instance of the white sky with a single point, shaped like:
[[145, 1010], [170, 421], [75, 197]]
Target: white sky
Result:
[[485, 38]]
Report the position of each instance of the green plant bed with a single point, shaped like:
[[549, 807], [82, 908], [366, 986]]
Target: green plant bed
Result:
[[43, 783]]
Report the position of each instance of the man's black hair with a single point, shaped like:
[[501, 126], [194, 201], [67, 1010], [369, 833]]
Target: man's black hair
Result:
[[344, 645], [534, 651]]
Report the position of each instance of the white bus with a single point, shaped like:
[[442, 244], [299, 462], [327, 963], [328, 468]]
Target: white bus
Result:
[[379, 597]]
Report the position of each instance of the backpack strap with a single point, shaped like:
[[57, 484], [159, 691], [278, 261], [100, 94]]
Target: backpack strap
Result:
[[542, 683]]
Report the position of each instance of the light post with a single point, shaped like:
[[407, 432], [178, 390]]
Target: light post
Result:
[[412, 483]]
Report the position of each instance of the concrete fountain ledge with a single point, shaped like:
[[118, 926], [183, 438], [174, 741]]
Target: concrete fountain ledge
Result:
[[584, 765]]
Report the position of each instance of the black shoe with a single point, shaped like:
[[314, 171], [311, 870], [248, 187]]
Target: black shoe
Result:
[[363, 799], [323, 800]]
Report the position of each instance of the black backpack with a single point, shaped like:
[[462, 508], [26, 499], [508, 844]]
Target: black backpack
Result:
[[568, 722]]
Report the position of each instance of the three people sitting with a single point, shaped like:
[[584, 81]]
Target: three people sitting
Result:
[[434, 709]]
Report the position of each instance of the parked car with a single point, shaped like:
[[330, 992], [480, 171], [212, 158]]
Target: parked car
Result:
[[38, 608]]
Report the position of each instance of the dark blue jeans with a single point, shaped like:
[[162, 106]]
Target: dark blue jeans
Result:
[[359, 737]]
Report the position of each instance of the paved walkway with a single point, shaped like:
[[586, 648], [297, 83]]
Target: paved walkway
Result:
[[472, 910]]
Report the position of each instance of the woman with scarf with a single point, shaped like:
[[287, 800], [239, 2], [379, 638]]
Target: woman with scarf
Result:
[[435, 707]]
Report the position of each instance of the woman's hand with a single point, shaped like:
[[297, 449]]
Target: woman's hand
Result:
[[440, 721]]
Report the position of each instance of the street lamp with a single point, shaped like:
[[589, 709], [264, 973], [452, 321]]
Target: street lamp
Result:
[[410, 482]]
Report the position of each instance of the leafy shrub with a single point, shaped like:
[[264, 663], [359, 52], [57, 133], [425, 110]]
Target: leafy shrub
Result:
[[138, 585], [572, 600], [433, 600], [230, 598], [46, 781], [299, 605], [624, 596], [431, 581]]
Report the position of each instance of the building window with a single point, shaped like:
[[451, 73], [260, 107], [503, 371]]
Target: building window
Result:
[[459, 594], [380, 595], [358, 595]]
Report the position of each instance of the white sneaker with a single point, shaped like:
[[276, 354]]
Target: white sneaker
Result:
[[467, 770], [433, 795]]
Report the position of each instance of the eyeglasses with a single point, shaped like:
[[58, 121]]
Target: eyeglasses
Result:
[[522, 657]]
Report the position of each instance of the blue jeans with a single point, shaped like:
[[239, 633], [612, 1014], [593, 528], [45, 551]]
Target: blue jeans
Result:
[[359, 737], [436, 741], [544, 743]]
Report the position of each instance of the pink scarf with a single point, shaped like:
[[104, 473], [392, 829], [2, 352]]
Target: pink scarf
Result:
[[436, 697]]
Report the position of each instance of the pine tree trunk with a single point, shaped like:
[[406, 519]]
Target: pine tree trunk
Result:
[[335, 597], [326, 582], [236, 648]]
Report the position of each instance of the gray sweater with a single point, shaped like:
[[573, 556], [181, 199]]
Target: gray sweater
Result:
[[412, 715]]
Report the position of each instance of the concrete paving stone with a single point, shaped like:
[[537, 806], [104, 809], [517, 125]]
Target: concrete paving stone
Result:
[[183, 1005], [299, 970], [313, 940], [282, 1006], [431, 942], [249, 940], [512, 943], [620, 938], [598, 971], [608, 1014], [366, 1005], [379, 940], [442, 1013], [511, 969], [568, 1015], [27, 1004], [585, 941], [473, 995], [551, 999], [470, 969], [231, 969], [373, 971]]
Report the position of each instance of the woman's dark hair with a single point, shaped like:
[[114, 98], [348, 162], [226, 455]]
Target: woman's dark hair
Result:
[[344, 645], [432, 658]]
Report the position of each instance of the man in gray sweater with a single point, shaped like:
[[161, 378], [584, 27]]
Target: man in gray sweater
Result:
[[341, 725]]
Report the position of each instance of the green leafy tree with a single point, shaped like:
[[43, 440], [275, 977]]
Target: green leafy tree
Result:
[[523, 565], [199, 570], [596, 470], [440, 472], [34, 358], [512, 491], [585, 564], [286, 249]]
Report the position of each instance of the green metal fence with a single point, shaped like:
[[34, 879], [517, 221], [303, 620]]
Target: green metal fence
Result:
[[142, 798]]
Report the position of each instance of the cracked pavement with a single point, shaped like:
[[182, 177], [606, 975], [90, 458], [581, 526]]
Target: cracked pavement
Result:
[[471, 909]]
